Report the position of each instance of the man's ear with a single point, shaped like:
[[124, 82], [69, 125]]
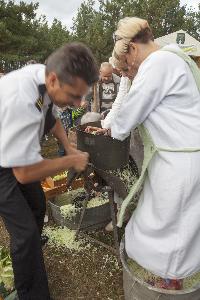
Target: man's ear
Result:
[[52, 79]]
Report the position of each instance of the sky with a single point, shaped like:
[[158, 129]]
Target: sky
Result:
[[65, 10]]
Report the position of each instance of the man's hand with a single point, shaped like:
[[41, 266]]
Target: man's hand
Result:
[[79, 161], [72, 150]]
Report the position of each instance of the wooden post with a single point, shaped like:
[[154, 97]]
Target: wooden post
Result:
[[95, 99]]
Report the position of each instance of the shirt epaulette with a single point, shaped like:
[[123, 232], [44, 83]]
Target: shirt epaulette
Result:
[[40, 101]]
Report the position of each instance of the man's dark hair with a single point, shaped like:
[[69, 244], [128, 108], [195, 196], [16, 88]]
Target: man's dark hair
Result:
[[73, 60], [144, 36], [31, 62]]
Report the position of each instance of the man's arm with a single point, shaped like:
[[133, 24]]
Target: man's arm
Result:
[[49, 167], [59, 132]]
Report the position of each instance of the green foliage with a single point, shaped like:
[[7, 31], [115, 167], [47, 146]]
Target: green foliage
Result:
[[57, 36], [6, 272], [24, 36], [164, 18], [96, 27]]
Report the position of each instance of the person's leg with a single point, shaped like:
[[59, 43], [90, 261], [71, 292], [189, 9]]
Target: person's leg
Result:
[[35, 197], [27, 258]]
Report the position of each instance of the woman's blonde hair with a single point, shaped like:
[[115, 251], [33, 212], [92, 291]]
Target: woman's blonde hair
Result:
[[116, 61], [130, 29]]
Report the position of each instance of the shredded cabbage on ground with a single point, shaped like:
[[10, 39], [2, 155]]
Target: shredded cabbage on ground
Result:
[[63, 237]]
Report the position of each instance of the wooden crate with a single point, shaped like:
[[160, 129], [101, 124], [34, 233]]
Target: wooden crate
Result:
[[60, 182], [78, 183], [57, 190], [55, 183], [53, 192]]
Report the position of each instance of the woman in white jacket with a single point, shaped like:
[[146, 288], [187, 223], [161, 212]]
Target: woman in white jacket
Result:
[[163, 234]]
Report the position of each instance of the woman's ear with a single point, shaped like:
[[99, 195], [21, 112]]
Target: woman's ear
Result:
[[133, 46], [133, 52]]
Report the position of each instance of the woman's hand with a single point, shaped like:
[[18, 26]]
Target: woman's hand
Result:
[[96, 130], [90, 129]]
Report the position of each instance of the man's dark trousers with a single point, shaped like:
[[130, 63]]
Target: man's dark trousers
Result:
[[22, 208]]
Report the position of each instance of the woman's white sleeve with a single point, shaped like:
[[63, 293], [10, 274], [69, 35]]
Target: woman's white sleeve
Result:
[[123, 90], [148, 89]]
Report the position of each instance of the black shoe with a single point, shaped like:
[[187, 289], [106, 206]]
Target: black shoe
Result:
[[44, 239]]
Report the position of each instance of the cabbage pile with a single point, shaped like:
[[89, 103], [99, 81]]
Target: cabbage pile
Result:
[[74, 205]]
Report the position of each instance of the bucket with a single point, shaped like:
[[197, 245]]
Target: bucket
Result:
[[105, 152], [136, 289], [94, 218]]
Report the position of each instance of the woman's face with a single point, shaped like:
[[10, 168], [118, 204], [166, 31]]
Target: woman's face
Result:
[[132, 58], [126, 66]]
